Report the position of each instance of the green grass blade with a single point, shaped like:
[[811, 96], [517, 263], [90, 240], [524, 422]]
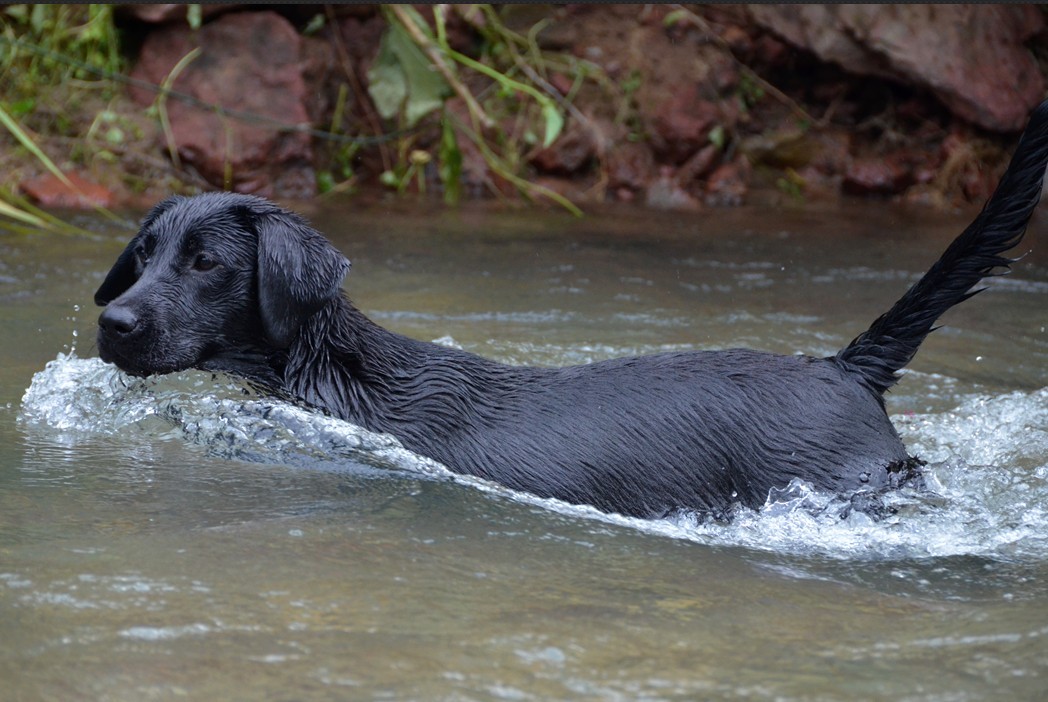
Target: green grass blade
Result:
[[13, 212], [26, 141]]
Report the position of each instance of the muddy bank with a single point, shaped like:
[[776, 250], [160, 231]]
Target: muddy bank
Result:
[[664, 105]]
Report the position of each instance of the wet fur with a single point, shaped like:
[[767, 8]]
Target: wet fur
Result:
[[234, 283]]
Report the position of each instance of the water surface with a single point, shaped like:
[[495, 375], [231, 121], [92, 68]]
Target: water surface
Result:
[[180, 536]]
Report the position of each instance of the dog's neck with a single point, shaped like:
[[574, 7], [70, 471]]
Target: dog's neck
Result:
[[347, 365], [422, 393]]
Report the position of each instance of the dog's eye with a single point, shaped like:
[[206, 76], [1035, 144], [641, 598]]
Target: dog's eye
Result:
[[204, 262], [141, 257]]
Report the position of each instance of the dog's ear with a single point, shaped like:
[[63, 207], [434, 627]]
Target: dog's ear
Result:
[[298, 272], [122, 275]]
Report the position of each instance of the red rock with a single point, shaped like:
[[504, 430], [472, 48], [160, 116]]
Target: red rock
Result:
[[728, 184], [698, 165], [681, 125], [831, 150], [49, 191], [971, 56], [876, 176], [630, 166], [568, 154], [250, 62]]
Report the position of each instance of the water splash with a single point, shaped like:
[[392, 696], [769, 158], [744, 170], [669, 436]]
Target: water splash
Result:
[[988, 469], [89, 397]]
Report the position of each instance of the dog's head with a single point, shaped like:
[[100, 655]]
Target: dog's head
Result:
[[213, 276]]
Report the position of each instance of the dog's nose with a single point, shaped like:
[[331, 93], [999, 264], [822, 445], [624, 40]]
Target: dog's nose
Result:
[[118, 320]]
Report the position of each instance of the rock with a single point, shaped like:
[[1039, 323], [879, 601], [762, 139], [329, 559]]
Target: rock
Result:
[[570, 153], [681, 124], [970, 56], [664, 193], [876, 176], [50, 192], [831, 150], [698, 165], [630, 167], [250, 62], [728, 184]]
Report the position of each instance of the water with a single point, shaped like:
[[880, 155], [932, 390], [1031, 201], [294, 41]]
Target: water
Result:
[[182, 536]]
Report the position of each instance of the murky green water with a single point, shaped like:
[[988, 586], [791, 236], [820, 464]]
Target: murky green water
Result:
[[163, 539]]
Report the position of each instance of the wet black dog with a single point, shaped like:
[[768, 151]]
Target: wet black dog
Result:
[[233, 283]]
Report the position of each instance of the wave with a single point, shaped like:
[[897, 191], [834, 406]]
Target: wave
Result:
[[987, 474]]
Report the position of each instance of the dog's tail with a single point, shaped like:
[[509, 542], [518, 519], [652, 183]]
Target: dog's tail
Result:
[[893, 339]]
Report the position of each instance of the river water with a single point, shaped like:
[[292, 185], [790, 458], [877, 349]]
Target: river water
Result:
[[181, 537]]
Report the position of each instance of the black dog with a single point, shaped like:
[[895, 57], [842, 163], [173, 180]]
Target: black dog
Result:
[[233, 283]]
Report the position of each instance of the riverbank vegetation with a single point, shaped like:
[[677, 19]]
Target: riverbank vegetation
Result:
[[669, 106]]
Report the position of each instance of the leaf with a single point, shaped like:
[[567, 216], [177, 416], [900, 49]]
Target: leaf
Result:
[[386, 82], [554, 122], [402, 78], [23, 107], [315, 24], [426, 87], [194, 16], [674, 17], [717, 136]]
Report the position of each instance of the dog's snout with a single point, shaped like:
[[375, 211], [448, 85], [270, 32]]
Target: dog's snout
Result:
[[117, 319]]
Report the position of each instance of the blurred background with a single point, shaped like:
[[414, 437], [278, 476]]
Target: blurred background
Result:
[[668, 106]]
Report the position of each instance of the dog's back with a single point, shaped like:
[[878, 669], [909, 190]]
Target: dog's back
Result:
[[645, 436]]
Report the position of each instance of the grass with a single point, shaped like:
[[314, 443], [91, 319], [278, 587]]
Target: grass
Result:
[[514, 93], [30, 112]]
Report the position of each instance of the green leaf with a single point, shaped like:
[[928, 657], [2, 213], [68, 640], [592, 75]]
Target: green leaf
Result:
[[23, 107], [426, 87], [315, 24], [674, 17], [716, 136], [554, 122], [325, 181], [402, 78], [386, 82], [194, 16]]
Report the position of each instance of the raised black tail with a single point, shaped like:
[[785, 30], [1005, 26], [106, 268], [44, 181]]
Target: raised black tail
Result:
[[893, 339]]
